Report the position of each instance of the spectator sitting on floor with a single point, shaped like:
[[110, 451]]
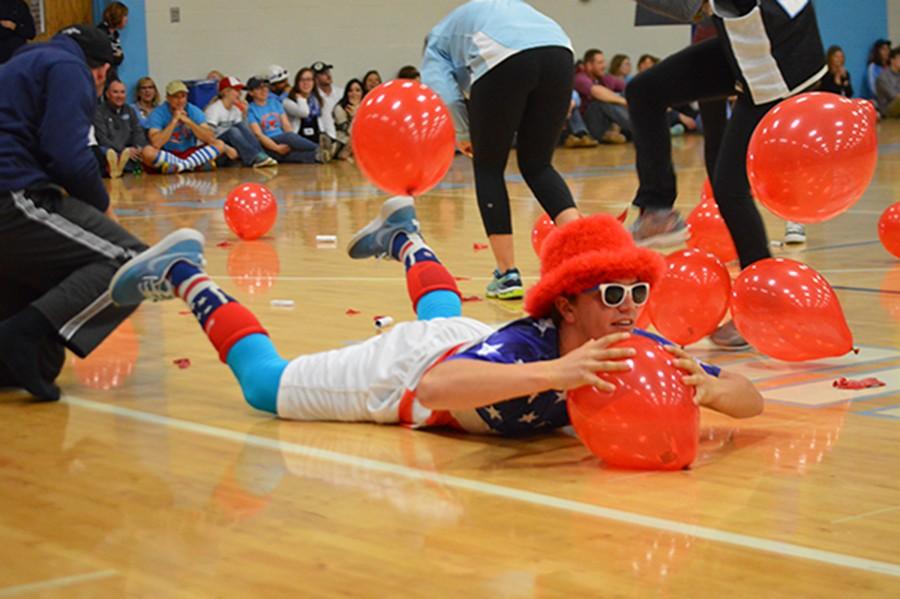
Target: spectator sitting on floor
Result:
[[146, 100], [226, 117], [409, 72], [270, 125], [620, 67], [888, 87], [576, 134], [180, 140], [118, 132], [837, 79], [371, 80], [605, 112], [330, 96], [16, 27], [215, 75], [343, 118], [277, 76], [879, 57], [304, 106], [646, 61]]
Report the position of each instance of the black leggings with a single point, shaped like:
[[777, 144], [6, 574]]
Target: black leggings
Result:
[[528, 93], [699, 72]]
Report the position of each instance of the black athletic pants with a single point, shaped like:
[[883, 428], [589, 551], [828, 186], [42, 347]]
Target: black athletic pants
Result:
[[699, 72], [59, 254], [528, 94]]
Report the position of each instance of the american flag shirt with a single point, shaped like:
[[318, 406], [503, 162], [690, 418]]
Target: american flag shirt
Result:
[[519, 342]]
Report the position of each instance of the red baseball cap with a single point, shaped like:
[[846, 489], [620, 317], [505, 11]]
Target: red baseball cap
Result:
[[233, 82]]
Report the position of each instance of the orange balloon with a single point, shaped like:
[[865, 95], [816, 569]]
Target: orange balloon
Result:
[[250, 210], [650, 422], [112, 362], [889, 229], [813, 156], [788, 311], [254, 266], [403, 137], [692, 298], [708, 230], [542, 227]]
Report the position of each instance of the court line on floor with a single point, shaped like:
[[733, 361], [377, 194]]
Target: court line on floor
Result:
[[866, 514], [56, 583], [529, 497], [866, 290]]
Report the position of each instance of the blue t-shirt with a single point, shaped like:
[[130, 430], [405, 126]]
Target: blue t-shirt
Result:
[[267, 116], [530, 340], [182, 137]]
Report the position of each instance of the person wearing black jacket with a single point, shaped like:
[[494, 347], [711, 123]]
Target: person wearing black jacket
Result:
[[58, 250], [16, 27]]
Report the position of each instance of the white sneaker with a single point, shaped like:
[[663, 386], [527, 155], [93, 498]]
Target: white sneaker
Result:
[[794, 233]]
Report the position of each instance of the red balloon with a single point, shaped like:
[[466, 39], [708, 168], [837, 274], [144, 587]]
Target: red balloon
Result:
[[643, 319], [889, 229], [403, 137], [650, 422], [250, 210], [788, 311], [708, 230], [254, 266], [692, 298], [542, 227], [812, 156]]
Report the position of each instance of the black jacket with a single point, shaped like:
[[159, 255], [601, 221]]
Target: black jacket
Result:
[[10, 39]]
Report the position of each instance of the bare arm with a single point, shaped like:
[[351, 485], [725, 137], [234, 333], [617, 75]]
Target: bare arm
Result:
[[160, 137], [604, 94], [468, 384], [264, 140], [201, 132], [729, 393]]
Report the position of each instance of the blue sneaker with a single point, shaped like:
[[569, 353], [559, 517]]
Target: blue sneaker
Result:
[[374, 240], [144, 276]]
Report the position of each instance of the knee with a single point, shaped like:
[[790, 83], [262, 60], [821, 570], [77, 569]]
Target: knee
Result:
[[642, 91], [149, 154], [260, 398], [219, 145]]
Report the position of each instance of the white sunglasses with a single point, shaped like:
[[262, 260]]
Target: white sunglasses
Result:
[[614, 294]]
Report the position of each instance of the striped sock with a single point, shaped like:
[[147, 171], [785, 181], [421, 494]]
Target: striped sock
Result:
[[201, 156], [168, 162], [410, 248]]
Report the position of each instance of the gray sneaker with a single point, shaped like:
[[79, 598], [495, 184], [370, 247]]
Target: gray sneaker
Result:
[[325, 153], [728, 337], [659, 228], [506, 286]]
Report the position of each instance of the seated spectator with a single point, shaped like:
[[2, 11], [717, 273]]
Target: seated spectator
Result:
[[226, 117], [879, 57], [620, 68], [605, 112], [409, 72], [146, 99], [304, 106], [576, 134], [646, 61], [371, 80], [16, 27], [888, 87], [837, 79], [180, 140], [343, 118], [118, 132], [330, 96], [271, 127], [277, 77], [215, 75]]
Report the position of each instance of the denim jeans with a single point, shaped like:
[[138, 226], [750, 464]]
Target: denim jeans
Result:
[[242, 139], [302, 150]]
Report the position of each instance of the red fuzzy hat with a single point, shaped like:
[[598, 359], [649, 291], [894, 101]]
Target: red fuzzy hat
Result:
[[584, 253]]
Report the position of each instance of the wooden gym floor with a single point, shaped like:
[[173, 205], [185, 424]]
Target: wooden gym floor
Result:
[[151, 480]]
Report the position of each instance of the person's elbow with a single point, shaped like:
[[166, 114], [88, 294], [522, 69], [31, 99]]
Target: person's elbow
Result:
[[434, 390]]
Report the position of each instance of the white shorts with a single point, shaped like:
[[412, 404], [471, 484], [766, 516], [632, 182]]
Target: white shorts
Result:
[[367, 381]]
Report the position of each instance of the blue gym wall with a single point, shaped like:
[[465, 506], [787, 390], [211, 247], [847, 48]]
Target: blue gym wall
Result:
[[854, 25], [134, 42]]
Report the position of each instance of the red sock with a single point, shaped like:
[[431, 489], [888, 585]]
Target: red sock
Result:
[[228, 324], [425, 277]]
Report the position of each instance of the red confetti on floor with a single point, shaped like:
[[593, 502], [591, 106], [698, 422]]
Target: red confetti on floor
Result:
[[224, 244], [470, 298], [856, 384], [352, 312], [479, 246], [182, 363], [184, 313], [462, 278]]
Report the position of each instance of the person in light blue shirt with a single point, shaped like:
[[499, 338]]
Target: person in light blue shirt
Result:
[[180, 140], [503, 68], [270, 124]]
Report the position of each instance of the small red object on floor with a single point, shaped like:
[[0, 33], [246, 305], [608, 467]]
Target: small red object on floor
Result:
[[184, 313], [352, 312], [182, 363], [224, 244], [479, 246], [470, 298], [855, 384], [462, 278]]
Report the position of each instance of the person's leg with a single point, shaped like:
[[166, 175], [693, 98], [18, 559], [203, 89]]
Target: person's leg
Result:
[[731, 187], [496, 106], [302, 151], [395, 234], [67, 251], [241, 139], [162, 160], [714, 114], [542, 120], [200, 156], [697, 72], [15, 296], [618, 115]]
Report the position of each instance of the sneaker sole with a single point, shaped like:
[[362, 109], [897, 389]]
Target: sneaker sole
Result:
[[506, 295], [794, 239], [165, 244], [664, 240], [387, 209]]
